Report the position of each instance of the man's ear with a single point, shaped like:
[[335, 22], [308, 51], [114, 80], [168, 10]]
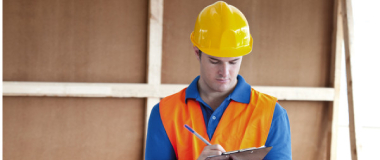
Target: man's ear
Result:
[[196, 52]]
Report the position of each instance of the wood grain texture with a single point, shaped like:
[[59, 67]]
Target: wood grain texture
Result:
[[139, 90], [75, 41], [348, 33], [335, 79], [154, 57], [73, 128]]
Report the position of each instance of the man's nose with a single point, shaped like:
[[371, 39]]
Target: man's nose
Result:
[[223, 70]]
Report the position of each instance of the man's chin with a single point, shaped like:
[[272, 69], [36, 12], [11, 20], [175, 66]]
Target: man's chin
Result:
[[223, 88]]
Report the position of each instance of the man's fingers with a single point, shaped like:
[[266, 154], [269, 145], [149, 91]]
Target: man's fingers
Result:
[[216, 147], [214, 152], [211, 150], [220, 148]]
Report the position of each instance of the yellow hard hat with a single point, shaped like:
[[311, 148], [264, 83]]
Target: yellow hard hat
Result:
[[221, 30]]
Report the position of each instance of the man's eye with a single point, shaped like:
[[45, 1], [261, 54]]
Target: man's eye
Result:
[[233, 62], [214, 62]]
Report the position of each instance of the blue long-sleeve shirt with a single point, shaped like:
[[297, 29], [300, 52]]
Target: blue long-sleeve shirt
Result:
[[158, 145]]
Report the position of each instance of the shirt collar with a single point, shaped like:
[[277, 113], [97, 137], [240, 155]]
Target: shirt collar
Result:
[[241, 93]]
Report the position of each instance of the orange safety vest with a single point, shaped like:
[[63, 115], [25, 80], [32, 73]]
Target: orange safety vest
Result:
[[241, 126]]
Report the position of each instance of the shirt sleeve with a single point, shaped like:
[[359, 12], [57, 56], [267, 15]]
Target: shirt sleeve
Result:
[[279, 136], [158, 145]]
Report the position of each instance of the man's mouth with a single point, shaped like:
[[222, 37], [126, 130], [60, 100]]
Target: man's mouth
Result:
[[222, 80]]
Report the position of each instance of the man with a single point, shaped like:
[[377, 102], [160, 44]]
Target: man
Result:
[[218, 104]]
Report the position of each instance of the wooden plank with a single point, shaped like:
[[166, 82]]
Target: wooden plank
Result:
[[348, 44], [53, 89], [298, 93], [154, 54], [155, 41], [149, 106], [336, 56], [138, 90]]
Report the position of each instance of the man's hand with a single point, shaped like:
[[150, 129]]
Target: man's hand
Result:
[[211, 150]]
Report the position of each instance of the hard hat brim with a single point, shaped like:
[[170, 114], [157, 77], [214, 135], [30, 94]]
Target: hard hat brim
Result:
[[226, 52]]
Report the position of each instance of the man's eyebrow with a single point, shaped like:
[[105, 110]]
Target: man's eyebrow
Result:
[[214, 59], [235, 59], [220, 60]]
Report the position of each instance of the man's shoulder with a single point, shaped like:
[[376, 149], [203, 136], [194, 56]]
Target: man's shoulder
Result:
[[265, 100], [262, 95], [279, 111], [173, 100]]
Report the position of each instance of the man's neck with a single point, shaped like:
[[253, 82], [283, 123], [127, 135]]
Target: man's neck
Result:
[[211, 97]]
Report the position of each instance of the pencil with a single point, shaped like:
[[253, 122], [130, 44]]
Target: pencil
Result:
[[196, 134]]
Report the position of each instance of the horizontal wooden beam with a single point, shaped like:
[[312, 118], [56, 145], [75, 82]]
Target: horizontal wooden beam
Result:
[[298, 93], [139, 90]]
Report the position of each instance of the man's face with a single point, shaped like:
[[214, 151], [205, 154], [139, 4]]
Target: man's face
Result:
[[219, 74]]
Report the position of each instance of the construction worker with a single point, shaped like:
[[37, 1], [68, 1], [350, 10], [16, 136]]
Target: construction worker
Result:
[[219, 105]]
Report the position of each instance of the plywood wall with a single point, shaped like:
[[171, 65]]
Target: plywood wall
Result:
[[74, 41], [309, 129], [106, 41], [72, 128]]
